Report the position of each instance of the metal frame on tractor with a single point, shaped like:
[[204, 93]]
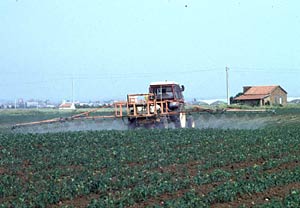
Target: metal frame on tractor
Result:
[[144, 110]]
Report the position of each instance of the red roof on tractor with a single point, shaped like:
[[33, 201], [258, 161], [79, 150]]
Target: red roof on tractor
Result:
[[258, 92], [163, 83]]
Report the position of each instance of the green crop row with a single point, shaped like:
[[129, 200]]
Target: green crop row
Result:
[[219, 175], [291, 200], [129, 167], [232, 186]]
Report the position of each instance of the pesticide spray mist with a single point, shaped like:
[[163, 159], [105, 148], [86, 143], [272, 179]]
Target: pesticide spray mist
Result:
[[202, 121], [232, 121], [75, 125]]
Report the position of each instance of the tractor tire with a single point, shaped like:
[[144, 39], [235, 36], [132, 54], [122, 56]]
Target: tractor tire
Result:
[[190, 122], [132, 124], [163, 124], [181, 121]]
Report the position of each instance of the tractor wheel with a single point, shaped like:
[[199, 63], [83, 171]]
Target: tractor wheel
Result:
[[131, 124], [163, 124], [149, 126], [181, 121], [190, 122]]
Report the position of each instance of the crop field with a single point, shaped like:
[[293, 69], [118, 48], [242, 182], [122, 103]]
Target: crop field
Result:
[[154, 168]]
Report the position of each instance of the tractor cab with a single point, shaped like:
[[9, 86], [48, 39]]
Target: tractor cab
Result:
[[168, 91]]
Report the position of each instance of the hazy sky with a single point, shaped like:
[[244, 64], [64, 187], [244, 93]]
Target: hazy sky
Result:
[[115, 47]]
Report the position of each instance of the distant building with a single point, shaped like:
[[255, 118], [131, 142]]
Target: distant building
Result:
[[20, 103], [262, 95], [67, 106], [32, 104]]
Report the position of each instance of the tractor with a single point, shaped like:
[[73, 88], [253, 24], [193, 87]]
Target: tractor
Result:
[[162, 107]]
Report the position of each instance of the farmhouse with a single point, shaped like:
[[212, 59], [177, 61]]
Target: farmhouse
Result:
[[262, 95]]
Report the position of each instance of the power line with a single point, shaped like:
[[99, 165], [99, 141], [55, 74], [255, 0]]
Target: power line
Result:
[[274, 69], [80, 76], [49, 77], [130, 74], [47, 73]]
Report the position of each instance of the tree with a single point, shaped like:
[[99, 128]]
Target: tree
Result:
[[232, 99]]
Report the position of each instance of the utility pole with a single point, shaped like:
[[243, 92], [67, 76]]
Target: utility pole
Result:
[[227, 86], [72, 90]]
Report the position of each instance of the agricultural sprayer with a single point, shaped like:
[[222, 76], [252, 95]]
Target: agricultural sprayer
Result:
[[162, 107]]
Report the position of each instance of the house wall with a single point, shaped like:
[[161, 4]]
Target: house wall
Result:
[[278, 97], [267, 101], [250, 102]]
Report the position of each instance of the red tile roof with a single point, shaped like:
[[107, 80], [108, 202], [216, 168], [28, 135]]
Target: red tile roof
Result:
[[258, 92], [251, 97], [65, 105]]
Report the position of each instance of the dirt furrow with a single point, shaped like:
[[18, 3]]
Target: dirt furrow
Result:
[[261, 197]]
